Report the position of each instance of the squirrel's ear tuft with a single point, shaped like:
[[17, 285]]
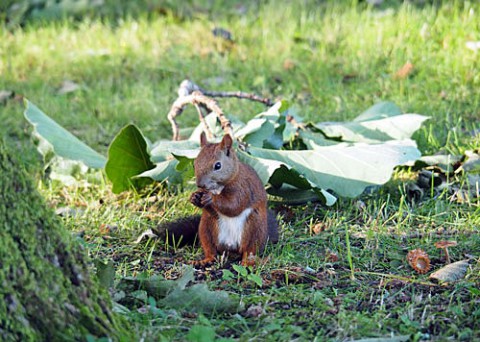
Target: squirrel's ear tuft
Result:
[[203, 139], [226, 143]]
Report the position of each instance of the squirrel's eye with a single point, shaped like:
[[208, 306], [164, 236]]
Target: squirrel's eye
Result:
[[217, 166]]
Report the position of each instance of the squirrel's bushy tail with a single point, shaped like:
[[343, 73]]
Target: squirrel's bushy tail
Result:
[[272, 224], [180, 232]]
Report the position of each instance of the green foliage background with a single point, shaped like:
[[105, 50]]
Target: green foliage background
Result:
[[331, 59]]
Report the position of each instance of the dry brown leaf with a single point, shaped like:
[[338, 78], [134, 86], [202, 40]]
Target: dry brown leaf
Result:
[[451, 272], [404, 71], [419, 260], [318, 228]]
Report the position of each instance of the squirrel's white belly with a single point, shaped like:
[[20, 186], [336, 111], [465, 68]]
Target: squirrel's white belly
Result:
[[230, 229]]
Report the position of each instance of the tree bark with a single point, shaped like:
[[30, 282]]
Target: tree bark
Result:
[[46, 292]]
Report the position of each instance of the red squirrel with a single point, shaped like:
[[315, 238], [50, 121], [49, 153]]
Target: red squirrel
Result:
[[233, 199]]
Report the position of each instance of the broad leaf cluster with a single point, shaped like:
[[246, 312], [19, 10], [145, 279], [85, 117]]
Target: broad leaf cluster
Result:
[[296, 160]]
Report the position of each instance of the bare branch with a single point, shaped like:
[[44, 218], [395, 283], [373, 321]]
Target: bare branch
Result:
[[197, 98], [191, 93], [295, 123], [239, 95], [201, 117], [187, 87]]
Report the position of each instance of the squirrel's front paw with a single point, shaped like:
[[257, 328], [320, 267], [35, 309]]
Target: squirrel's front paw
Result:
[[196, 198], [206, 199]]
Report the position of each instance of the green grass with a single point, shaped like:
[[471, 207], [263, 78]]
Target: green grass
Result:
[[343, 59]]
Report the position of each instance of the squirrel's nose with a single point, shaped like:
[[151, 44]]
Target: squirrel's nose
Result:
[[201, 184]]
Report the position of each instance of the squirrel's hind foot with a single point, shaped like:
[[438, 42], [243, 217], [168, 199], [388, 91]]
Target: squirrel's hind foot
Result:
[[248, 259], [202, 263]]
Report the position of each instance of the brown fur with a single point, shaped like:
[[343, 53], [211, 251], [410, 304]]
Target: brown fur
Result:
[[229, 191]]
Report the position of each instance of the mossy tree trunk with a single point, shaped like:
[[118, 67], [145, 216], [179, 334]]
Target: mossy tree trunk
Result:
[[46, 292]]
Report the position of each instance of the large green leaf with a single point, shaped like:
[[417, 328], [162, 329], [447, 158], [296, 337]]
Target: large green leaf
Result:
[[252, 126], [177, 170], [289, 183], [163, 149], [381, 122], [347, 170], [258, 136], [128, 157], [314, 140], [285, 181], [164, 171], [266, 128], [344, 157], [264, 167], [174, 171], [378, 111], [283, 130], [63, 143], [392, 128]]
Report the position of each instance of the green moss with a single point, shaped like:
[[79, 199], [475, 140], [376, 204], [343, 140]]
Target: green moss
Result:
[[45, 288]]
